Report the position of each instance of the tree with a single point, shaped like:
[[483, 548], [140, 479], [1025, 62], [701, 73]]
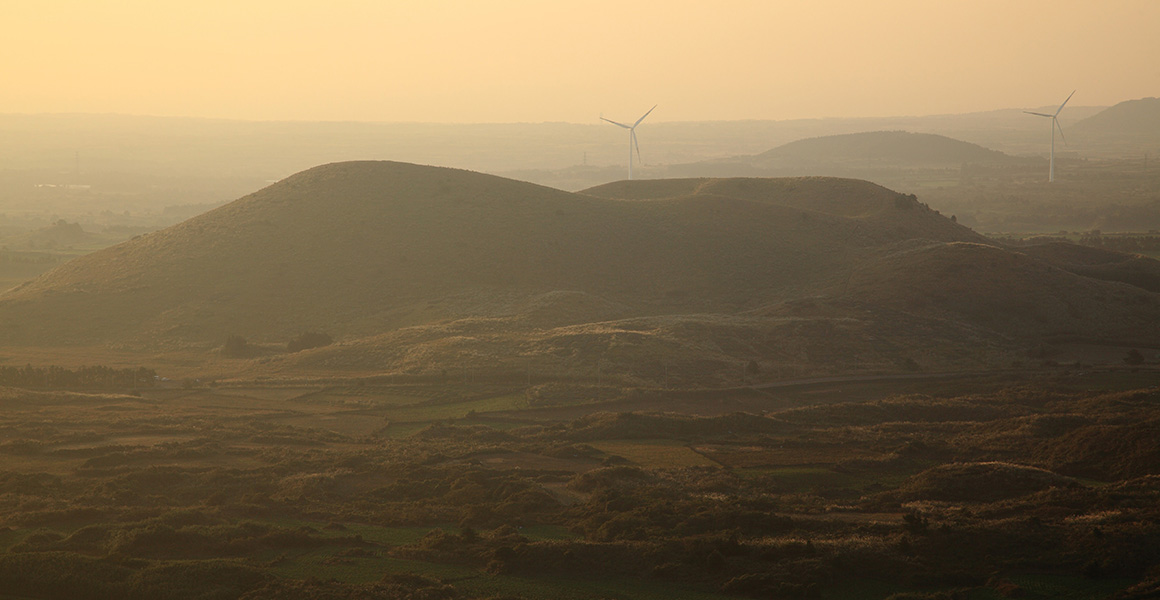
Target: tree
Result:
[[1133, 357], [235, 347], [309, 340]]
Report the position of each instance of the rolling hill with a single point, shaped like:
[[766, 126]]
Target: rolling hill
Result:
[[1007, 291], [1128, 130], [900, 148], [1131, 118], [362, 248], [866, 154], [419, 269]]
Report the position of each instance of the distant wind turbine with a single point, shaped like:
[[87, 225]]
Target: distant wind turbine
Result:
[[1054, 125], [632, 143]]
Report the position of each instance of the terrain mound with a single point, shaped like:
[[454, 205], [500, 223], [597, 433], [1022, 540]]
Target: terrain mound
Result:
[[361, 248], [902, 147], [832, 195], [1107, 451], [434, 272], [884, 156], [1099, 263], [980, 482], [1131, 118], [1006, 291]]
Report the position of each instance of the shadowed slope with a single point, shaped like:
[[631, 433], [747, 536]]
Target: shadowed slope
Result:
[[362, 248], [885, 216], [1099, 263], [685, 282], [1007, 291], [1132, 118]]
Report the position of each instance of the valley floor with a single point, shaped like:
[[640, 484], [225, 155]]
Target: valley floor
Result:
[[988, 487]]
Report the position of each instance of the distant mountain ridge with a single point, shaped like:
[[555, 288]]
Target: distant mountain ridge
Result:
[[902, 147], [871, 154], [1134, 118]]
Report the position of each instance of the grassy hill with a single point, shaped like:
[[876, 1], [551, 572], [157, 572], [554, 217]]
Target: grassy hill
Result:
[[363, 248], [422, 270], [1099, 263], [1007, 291]]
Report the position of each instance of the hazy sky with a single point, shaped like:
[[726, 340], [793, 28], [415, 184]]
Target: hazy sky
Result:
[[552, 60]]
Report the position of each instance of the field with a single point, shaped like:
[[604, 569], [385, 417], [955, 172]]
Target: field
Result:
[[981, 488]]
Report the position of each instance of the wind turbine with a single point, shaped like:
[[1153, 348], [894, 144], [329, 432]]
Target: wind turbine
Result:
[[632, 143], [1054, 125]]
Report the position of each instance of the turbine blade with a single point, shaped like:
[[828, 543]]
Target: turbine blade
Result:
[[644, 115], [1026, 111], [1064, 103], [626, 126], [1060, 127], [636, 145]]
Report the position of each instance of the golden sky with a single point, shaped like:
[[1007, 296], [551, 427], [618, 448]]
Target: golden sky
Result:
[[556, 60]]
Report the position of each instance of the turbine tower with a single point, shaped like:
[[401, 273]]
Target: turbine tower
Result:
[[632, 143], [1054, 125]]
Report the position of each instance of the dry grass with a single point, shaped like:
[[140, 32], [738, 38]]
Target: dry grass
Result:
[[655, 454], [455, 276], [434, 243]]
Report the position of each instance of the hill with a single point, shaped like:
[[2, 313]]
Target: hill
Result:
[[362, 248], [419, 270], [1007, 291], [1099, 263], [1131, 118], [900, 148], [886, 157]]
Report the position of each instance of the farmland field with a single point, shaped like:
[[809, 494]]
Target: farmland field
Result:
[[272, 488]]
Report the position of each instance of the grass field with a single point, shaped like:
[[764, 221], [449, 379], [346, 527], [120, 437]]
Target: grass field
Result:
[[655, 454], [302, 485], [1063, 587]]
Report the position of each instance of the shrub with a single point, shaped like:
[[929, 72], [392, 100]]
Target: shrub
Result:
[[235, 347], [309, 340]]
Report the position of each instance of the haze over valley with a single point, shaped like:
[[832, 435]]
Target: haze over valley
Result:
[[378, 301]]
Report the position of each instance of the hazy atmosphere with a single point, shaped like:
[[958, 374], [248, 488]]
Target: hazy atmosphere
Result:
[[530, 61], [499, 300]]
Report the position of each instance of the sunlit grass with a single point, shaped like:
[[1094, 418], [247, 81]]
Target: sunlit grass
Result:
[[1071, 587], [452, 410], [661, 454], [325, 564], [814, 477]]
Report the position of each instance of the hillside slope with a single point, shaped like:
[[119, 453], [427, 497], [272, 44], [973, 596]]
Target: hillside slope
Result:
[[362, 248], [1131, 118], [1009, 292], [421, 270]]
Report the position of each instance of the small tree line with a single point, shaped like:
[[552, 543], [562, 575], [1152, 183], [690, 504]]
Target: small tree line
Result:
[[95, 377], [237, 346]]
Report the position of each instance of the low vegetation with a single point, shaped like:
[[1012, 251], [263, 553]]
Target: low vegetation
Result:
[[95, 377], [308, 340], [993, 490]]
